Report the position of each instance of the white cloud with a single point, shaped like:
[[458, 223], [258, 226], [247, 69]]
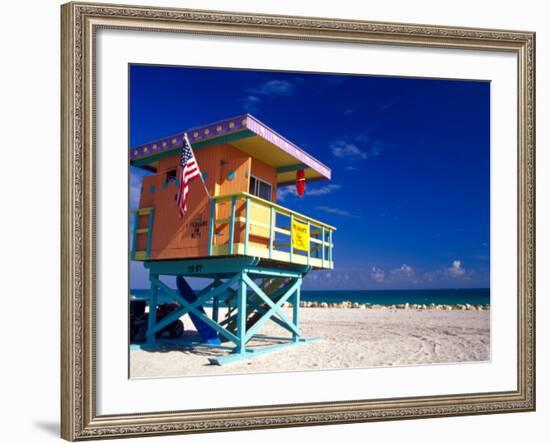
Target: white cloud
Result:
[[456, 270], [359, 147], [251, 103], [270, 88], [285, 191], [336, 211], [343, 149], [404, 273], [378, 274], [274, 87], [323, 190]]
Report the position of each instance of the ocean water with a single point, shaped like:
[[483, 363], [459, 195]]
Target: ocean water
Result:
[[478, 296]]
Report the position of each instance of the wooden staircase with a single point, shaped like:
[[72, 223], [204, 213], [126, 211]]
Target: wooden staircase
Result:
[[274, 288]]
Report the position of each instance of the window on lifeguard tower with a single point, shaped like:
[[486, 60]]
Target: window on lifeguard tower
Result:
[[170, 176], [260, 188]]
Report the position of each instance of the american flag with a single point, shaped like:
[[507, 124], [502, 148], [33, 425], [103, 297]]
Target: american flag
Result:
[[188, 171]]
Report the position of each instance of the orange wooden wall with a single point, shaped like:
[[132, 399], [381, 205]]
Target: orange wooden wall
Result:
[[174, 238]]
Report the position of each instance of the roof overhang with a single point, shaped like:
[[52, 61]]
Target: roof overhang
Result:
[[247, 134]]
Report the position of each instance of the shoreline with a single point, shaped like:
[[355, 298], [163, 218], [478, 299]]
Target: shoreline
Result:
[[406, 306], [347, 304]]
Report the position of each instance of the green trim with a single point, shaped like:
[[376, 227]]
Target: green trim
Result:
[[242, 134], [139, 255], [142, 211], [291, 168], [153, 157]]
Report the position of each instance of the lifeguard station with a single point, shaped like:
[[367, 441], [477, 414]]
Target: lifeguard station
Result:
[[254, 252]]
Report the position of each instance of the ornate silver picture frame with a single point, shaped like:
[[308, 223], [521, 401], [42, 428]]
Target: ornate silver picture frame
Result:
[[80, 23]]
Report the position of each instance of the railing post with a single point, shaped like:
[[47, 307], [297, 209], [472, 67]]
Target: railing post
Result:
[[232, 224], [296, 311], [247, 226], [323, 246], [309, 242], [211, 227], [149, 232], [330, 248], [291, 245], [271, 230]]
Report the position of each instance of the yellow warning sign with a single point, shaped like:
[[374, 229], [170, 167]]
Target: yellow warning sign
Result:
[[300, 236]]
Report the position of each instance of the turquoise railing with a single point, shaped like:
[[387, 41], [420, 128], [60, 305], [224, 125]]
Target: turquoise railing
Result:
[[150, 212], [276, 222]]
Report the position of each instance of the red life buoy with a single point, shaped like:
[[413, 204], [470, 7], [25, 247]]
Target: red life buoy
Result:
[[300, 182]]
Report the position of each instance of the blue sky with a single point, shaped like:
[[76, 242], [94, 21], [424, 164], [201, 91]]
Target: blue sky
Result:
[[409, 157]]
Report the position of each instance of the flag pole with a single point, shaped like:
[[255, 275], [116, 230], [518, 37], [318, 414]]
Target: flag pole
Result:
[[197, 163]]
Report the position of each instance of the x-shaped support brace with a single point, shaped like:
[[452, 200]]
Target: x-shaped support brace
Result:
[[212, 290]]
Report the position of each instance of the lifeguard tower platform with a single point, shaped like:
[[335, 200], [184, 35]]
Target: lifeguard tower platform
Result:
[[238, 237]]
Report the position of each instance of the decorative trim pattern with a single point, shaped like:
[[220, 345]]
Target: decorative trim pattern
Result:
[[79, 20]]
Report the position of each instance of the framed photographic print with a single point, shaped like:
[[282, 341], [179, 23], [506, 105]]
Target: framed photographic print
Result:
[[254, 207]]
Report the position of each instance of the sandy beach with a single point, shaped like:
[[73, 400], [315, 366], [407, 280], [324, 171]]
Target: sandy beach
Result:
[[349, 338]]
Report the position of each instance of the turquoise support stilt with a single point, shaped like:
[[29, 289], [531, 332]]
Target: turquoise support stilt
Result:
[[216, 308], [296, 312], [253, 292], [241, 316], [152, 316]]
